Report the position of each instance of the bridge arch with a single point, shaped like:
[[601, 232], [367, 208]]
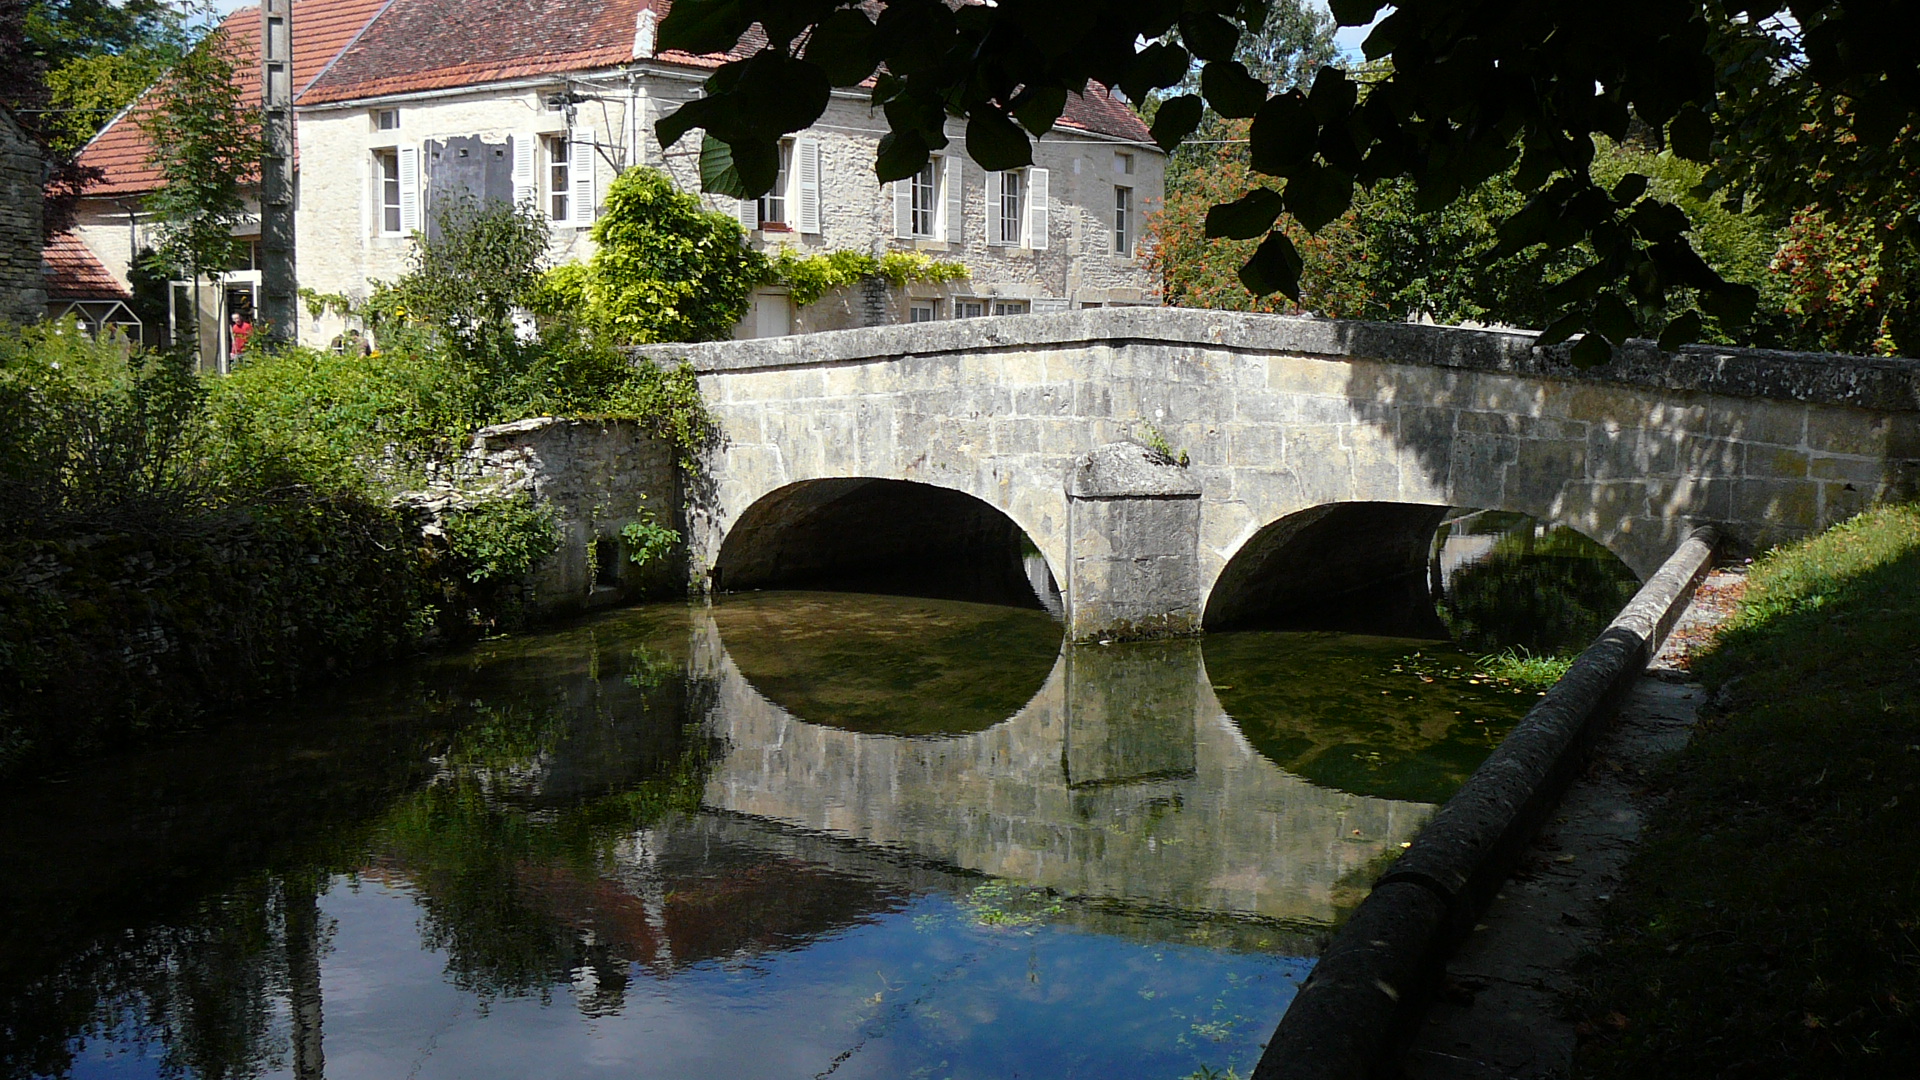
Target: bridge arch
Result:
[[875, 534], [1362, 566], [1324, 553]]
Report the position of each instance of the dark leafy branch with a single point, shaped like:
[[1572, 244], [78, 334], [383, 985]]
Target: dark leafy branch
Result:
[[1464, 90]]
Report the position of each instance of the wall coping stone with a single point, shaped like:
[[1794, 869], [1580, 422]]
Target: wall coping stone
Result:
[[1888, 385]]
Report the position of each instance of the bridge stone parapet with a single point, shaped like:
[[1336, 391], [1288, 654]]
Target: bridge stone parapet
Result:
[[1282, 417]]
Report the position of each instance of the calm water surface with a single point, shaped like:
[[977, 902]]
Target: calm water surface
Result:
[[787, 835]]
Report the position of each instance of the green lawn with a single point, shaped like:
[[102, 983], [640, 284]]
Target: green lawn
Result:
[[1770, 927]]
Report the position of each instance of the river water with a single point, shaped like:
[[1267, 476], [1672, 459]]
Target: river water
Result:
[[782, 835]]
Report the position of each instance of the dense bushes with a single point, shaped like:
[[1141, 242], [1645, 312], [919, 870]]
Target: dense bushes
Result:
[[170, 544], [157, 557]]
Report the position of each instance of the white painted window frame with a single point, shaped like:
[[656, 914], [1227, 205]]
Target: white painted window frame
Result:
[[556, 178], [383, 178], [1028, 202]]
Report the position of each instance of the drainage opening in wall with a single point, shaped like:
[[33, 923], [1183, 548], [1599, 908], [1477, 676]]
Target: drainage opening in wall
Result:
[[606, 563]]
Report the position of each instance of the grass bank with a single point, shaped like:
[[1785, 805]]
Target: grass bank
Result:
[[1770, 925]]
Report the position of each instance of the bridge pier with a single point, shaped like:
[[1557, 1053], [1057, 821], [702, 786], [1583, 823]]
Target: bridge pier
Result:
[[1133, 546]]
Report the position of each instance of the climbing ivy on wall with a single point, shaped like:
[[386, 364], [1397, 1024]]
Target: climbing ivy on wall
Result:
[[809, 277]]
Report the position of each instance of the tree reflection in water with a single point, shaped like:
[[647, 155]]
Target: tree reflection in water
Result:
[[635, 822]]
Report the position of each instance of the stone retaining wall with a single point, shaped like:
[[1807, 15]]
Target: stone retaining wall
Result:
[[23, 287], [597, 476]]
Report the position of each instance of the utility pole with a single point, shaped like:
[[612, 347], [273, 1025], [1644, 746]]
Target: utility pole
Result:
[[279, 290]]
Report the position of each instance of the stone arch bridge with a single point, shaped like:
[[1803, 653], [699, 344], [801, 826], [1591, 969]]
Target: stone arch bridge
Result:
[[1180, 468]]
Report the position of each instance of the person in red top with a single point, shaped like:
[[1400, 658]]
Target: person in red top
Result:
[[239, 330]]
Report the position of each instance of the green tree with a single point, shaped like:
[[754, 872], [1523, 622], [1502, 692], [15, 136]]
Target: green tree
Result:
[[1386, 258], [1289, 45], [87, 92], [1472, 92], [206, 146], [470, 278], [99, 57]]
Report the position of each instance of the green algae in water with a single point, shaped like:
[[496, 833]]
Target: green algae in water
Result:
[[1360, 714], [889, 665]]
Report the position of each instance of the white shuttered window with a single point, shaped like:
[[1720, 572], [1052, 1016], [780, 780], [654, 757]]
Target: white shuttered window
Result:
[[1004, 216], [1017, 208], [956, 199], [925, 203], [386, 176], [580, 179], [526, 186], [903, 209], [1037, 219], [409, 189], [806, 169]]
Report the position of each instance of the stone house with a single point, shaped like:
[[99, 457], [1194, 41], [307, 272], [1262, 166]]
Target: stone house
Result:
[[402, 103]]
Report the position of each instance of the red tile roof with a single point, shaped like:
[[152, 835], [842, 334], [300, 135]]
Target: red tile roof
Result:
[[321, 28], [74, 274], [1100, 110], [440, 44], [351, 49], [418, 45]]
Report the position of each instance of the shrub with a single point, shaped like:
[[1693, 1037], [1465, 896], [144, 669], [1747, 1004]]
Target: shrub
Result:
[[501, 540], [666, 269]]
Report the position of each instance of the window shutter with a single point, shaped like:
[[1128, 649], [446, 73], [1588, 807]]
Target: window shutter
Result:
[[409, 189], [1037, 209], [956, 200], [749, 213], [903, 209], [994, 188], [580, 175], [806, 167], [525, 193]]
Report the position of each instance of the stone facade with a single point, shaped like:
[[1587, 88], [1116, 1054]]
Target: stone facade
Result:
[[1282, 416], [344, 246], [23, 288]]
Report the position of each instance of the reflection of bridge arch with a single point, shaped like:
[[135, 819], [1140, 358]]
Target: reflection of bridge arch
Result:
[[1121, 778]]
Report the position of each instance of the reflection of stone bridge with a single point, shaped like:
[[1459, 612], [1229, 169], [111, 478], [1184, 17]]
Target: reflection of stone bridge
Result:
[[1121, 779], [1320, 451]]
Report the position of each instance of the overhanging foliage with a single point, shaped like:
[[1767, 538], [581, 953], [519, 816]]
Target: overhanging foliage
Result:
[[1470, 90]]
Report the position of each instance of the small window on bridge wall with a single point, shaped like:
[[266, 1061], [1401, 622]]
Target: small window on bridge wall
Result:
[[606, 563]]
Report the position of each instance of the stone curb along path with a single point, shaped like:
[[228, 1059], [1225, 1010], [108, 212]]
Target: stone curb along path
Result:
[[1361, 1007]]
